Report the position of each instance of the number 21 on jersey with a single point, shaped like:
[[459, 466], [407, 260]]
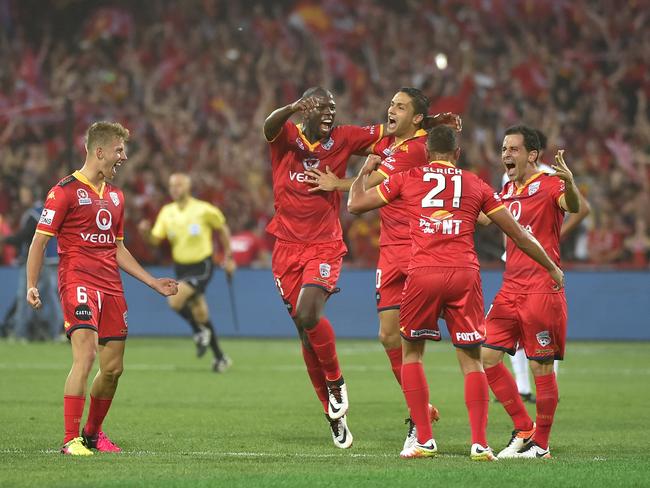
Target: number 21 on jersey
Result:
[[440, 181]]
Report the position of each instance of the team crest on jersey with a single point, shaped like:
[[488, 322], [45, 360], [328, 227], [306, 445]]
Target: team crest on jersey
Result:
[[533, 187], [299, 143], [328, 144], [544, 338], [83, 197], [47, 216], [324, 270], [310, 163], [508, 194], [114, 198]]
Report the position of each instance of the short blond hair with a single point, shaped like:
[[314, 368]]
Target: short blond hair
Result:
[[105, 132]]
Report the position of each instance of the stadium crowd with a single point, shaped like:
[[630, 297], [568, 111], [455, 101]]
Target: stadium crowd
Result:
[[193, 81]]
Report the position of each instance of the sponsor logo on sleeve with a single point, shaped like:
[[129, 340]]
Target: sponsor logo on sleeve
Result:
[[532, 189], [544, 338], [114, 198], [47, 216], [83, 197], [299, 143], [325, 270]]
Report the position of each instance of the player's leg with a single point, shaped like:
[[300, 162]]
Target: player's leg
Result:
[[544, 341], [112, 330], [180, 303], [102, 391], [520, 370], [320, 333], [391, 340], [201, 315], [84, 350]]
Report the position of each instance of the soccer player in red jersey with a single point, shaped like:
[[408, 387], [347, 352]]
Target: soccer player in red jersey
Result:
[[309, 246], [403, 147], [444, 203], [529, 309], [86, 214]]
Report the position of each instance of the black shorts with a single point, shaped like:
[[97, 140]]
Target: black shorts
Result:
[[197, 275]]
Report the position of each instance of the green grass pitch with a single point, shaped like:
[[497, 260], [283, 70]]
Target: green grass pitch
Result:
[[261, 425]]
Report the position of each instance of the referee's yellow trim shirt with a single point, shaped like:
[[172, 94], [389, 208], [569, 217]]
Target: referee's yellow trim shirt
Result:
[[188, 230]]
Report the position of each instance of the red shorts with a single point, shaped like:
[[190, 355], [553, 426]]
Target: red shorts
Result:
[[391, 274], [87, 308], [458, 291], [297, 265], [536, 321]]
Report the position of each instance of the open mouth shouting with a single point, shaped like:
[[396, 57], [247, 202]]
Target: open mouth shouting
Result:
[[391, 123], [115, 167], [326, 124], [511, 167]]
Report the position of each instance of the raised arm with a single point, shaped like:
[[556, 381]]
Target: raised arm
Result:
[[570, 201], [526, 242], [274, 122]]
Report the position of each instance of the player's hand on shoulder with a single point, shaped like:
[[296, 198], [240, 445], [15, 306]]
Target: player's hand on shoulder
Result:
[[326, 181], [166, 286], [229, 266], [33, 297], [562, 171], [305, 104], [446, 118]]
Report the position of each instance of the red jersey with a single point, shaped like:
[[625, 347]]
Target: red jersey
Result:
[[301, 216], [444, 203], [536, 207], [397, 158], [87, 223]]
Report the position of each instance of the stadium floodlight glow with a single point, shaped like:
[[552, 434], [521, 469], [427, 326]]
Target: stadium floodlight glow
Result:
[[441, 61]]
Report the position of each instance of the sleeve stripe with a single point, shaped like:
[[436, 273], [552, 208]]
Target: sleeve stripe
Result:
[[371, 148], [45, 233], [383, 173], [495, 209], [120, 238], [378, 187]]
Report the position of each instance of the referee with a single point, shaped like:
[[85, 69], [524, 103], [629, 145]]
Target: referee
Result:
[[187, 223]]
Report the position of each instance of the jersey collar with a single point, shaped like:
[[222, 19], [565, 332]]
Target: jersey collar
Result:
[[80, 176], [444, 163], [418, 133], [527, 182], [306, 141]]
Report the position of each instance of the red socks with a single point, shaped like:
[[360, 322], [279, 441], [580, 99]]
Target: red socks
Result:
[[547, 397], [98, 410], [416, 391], [395, 358], [323, 342], [477, 400], [73, 410], [316, 374], [504, 387]]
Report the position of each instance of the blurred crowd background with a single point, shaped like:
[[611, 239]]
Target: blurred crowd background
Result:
[[193, 80]]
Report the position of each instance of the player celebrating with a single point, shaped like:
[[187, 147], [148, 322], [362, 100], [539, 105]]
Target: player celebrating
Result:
[[444, 203], [188, 224], [309, 246], [87, 216], [402, 148], [529, 309]]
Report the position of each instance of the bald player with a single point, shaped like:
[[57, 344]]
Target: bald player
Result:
[[187, 223]]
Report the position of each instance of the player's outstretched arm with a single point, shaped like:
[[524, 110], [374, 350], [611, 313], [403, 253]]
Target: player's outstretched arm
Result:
[[527, 243], [570, 201], [34, 265], [328, 181], [363, 197], [126, 261], [274, 122]]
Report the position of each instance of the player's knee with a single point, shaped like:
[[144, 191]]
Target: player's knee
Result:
[[389, 339], [306, 319], [84, 360], [490, 357], [175, 303], [113, 373], [200, 315]]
